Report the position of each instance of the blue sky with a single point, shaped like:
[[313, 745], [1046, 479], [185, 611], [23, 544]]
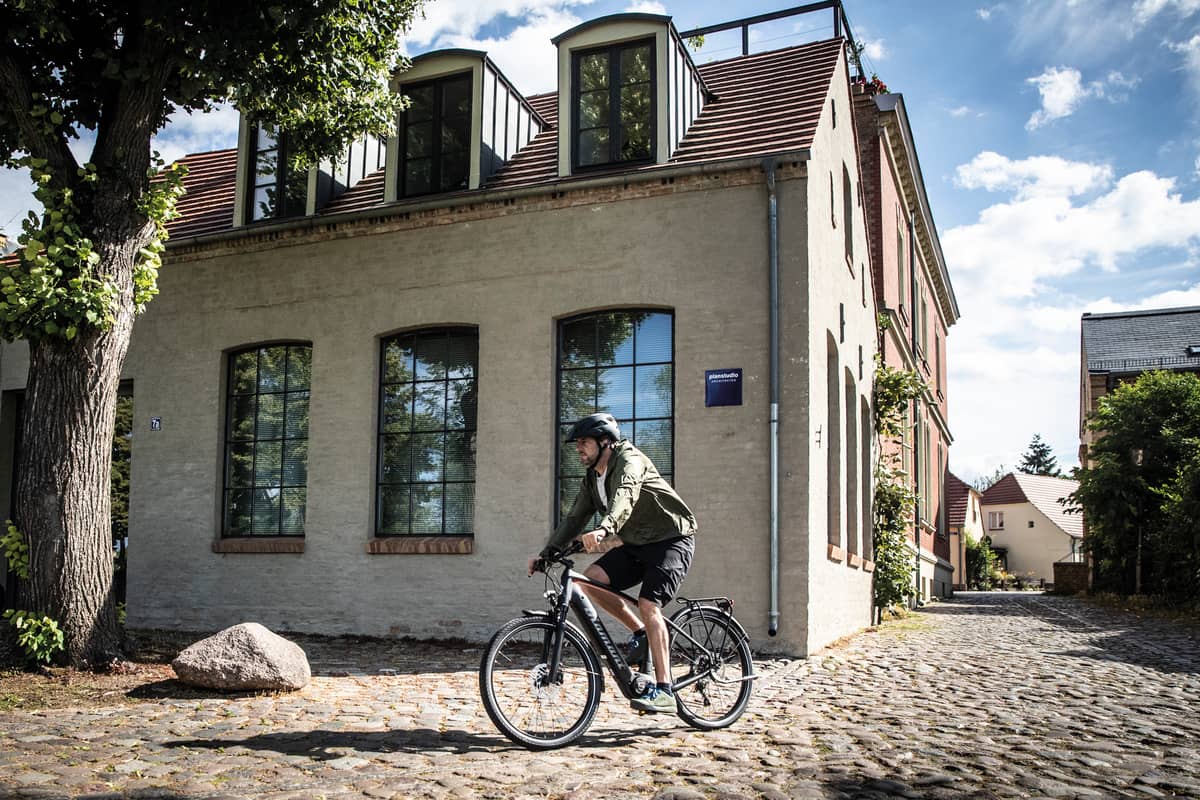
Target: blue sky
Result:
[[1060, 144]]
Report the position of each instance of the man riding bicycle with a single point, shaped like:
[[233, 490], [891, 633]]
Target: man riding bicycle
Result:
[[654, 531]]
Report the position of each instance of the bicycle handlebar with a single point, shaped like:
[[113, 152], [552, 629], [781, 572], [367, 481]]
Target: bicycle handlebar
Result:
[[555, 555]]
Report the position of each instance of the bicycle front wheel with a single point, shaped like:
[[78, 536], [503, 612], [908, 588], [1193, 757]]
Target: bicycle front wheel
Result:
[[526, 702], [711, 668]]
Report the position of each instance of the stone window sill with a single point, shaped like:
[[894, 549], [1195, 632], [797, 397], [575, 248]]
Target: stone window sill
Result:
[[437, 545], [868, 566], [836, 553], [291, 544], [855, 560]]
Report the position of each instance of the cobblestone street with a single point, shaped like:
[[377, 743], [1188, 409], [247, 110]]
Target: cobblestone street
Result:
[[992, 695]]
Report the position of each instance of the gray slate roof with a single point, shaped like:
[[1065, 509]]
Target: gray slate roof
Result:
[[1136, 341]]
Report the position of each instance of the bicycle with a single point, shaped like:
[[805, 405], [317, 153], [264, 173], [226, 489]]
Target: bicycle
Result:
[[540, 676]]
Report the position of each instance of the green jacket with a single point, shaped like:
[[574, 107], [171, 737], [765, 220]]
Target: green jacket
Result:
[[642, 506]]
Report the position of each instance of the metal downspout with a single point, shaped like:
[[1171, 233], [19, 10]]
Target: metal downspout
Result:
[[916, 404], [769, 166]]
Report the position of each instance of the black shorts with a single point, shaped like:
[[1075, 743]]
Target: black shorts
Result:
[[659, 566]]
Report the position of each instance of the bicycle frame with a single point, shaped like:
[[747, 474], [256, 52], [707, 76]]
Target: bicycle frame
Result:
[[570, 597]]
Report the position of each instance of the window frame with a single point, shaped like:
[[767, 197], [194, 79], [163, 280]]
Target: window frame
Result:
[[437, 121], [614, 51], [467, 430], [558, 423], [283, 208], [227, 440]]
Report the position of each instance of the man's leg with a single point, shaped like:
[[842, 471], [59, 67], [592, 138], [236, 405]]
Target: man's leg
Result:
[[609, 602], [656, 637]]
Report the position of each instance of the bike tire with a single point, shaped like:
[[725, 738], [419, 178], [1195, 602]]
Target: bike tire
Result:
[[716, 665], [520, 700]]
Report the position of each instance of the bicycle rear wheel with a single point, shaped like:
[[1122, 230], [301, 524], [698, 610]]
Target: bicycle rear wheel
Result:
[[711, 668], [528, 704]]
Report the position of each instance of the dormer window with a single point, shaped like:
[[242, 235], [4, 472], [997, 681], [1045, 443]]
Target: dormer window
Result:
[[435, 136], [276, 190], [614, 104]]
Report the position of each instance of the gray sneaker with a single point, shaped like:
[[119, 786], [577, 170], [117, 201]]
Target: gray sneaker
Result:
[[656, 701]]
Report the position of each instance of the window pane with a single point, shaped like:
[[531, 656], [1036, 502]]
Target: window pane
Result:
[[430, 411], [460, 456], [654, 338], [393, 509], [615, 388], [654, 390], [593, 72], [456, 168], [457, 98], [456, 136], [421, 107], [464, 351], [267, 457], [460, 508], [593, 147], [294, 502], [242, 411], [299, 368], [431, 357], [427, 508], [593, 110], [579, 343], [398, 361], [297, 416], [264, 203], [418, 140], [418, 176], [568, 459], [272, 362], [265, 139], [266, 512], [237, 513], [239, 469], [654, 439], [460, 404], [427, 456], [245, 372], [395, 459], [266, 162], [295, 186], [577, 394], [397, 408], [295, 463], [635, 122], [270, 416], [635, 65], [616, 339]]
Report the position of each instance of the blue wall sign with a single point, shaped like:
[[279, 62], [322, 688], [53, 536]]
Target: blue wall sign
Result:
[[722, 387]]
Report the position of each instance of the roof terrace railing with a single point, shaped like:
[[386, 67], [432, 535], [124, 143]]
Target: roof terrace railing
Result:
[[841, 26], [1132, 364]]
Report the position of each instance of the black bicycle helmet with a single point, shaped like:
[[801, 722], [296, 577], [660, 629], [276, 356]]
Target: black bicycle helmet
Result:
[[595, 426]]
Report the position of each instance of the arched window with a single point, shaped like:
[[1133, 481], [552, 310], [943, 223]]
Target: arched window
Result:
[[266, 441], [833, 443], [622, 363], [427, 422]]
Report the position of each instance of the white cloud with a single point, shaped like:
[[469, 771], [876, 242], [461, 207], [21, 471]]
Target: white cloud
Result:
[[961, 111], [1190, 50], [197, 133], [1145, 10], [1197, 166], [451, 19], [525, 55], [647, 7], [1062, 90], [875, 49], [986, 13], [1032, 177]]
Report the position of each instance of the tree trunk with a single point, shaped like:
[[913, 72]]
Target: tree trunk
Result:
[[63, 500]]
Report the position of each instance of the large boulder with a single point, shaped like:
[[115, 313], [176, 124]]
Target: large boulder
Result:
[[246, 657]]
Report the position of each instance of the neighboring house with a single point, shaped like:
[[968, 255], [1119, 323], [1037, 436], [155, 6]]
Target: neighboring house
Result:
[[1117, 348], [913, 290], [351, 393], [1028, 526], [964, 520]]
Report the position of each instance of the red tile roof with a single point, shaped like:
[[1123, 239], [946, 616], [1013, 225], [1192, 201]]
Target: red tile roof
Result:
[[1043, 492], [765, 104], [958, 495]]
